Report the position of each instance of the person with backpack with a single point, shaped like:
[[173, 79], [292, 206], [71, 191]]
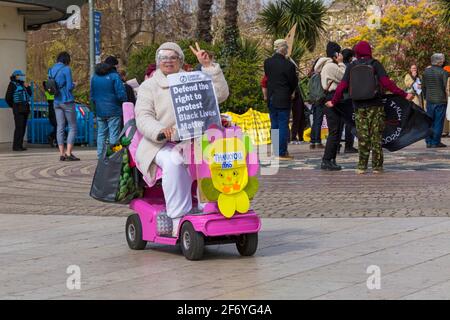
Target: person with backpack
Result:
[[365, 79], [331, 69], [316, 98], [18, 97], [61, 85], [281, 84], [107, 94]]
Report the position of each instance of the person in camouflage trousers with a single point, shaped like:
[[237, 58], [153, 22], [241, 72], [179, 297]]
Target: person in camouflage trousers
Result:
[[369, 112], [370, 126]]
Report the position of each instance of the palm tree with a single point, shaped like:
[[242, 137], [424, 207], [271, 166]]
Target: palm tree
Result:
[[445, 7], [279, 17], [231, 29], [204, 20]]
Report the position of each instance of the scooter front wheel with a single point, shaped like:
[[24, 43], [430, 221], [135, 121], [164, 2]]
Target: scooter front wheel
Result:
[[247, 244], [133, 232], [192, 242]]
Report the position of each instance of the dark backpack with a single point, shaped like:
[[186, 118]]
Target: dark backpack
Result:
[[316, 92], [50, 85], [363, 81]]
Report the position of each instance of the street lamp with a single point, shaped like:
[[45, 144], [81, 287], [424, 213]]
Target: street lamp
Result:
[[91, 38]]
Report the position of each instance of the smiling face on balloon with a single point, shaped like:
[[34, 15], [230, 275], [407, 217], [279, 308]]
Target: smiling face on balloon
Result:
[[230, 181]]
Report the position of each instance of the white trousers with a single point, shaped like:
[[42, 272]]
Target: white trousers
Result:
[[176, 182]]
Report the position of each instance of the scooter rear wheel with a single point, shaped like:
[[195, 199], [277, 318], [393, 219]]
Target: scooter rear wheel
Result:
[[133, 232], [192, 242], [247, 244]]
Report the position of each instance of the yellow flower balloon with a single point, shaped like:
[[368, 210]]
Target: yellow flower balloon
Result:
[[229, 174]]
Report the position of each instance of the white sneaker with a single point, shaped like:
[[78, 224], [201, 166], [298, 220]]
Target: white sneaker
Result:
[[175, 225]]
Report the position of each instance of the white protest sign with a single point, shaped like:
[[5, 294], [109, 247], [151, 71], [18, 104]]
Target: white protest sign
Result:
[[195, 103]]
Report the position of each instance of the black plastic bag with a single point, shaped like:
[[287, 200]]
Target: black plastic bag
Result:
[[106, 182], [106, 185]]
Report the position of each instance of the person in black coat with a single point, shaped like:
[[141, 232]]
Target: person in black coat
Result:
[[298, 117], [349, 56], [131, 97], [18, 97], [281, 84]]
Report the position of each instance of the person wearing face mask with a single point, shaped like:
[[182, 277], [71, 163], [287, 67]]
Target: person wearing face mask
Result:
[[18, 97], [155, 115]]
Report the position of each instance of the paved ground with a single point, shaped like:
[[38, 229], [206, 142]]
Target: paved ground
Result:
[[297, 259], [416, 183], [48, 222]]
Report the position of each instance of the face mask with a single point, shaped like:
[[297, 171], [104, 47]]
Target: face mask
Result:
[[21, 78]]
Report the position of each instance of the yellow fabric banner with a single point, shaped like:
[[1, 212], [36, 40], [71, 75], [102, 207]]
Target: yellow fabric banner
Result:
[[255, 124]]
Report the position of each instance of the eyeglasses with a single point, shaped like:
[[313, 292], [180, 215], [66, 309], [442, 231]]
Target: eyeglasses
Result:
[[168, 58]]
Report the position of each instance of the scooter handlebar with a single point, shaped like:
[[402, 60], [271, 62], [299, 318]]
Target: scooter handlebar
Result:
[[161, 136]]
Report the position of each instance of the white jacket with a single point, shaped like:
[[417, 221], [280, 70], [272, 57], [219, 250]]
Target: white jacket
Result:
[[330, 72], [154, 112]]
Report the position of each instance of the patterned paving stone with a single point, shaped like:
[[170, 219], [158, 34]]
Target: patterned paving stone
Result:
[[416, 183]]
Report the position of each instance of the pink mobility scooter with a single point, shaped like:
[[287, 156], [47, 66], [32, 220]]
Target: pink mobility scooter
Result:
[[226, 174]]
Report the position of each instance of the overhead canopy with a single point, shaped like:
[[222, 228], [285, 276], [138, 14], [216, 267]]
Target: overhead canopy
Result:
[[39, 12]]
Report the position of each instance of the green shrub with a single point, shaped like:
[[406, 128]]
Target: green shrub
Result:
[[139, 61], [244, 83], [189, 56], [242, 73]]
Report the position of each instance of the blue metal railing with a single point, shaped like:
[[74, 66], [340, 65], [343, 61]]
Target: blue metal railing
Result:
[[39, 127]]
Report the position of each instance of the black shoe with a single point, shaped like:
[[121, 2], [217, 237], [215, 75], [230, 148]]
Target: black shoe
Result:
[[330, 165], [337, 168], [429, 146], [312, 146], [72, 158], [19, 149], [440, 145], [351, 150], [62, 158]]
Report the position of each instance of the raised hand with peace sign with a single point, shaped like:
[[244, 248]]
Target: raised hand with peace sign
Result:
[[203, 57]]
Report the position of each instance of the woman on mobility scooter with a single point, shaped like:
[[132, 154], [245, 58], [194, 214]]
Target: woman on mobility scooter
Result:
[[155, 115], [222, 162]]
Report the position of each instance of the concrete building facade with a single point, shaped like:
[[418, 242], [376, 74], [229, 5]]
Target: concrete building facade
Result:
[[16, 18]]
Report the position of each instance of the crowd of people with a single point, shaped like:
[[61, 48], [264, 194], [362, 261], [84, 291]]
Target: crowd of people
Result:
[[109, 91], [349, 78]]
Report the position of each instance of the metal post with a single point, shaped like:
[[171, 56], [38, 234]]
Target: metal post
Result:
[[91, 37]]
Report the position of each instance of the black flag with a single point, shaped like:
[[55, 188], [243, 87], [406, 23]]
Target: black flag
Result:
[[406, 123]]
